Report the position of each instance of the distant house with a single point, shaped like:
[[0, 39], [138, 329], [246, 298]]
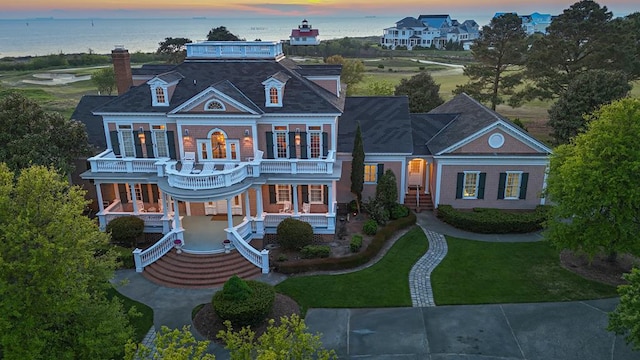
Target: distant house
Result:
[[304, 35], [532, 23], [430, 31]]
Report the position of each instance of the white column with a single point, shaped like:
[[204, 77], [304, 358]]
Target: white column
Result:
[[176, 215], [295, 200], [259, 209], [330, 198], [99, 193], [116, 191], [247, 204], [427, 176], [187, 206], [229, 215], [132, 190]]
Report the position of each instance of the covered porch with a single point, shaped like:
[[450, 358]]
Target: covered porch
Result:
[[206, 234]]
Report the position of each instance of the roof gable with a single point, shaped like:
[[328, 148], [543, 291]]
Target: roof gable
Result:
[[232, 99]]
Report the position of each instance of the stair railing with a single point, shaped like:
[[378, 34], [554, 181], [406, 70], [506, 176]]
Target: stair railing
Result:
[[157, 250]]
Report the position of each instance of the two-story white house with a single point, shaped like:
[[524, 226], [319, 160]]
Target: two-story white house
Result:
[[430, 31]]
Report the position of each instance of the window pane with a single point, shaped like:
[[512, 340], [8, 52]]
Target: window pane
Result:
[[127, 143], [281, 142], [273, 95], [470, 182], [512, 188], [218, 146], [161, 143], [315, 194], [315, 145], [283, 193], [370, 172]]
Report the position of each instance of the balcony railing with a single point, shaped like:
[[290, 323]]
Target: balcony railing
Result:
[[208, 179], [107, 161], [299, 166]]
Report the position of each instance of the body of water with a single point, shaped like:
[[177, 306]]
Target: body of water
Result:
[[53, 36]]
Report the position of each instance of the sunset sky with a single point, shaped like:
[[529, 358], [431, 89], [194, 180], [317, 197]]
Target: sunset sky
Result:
[[180, 8]]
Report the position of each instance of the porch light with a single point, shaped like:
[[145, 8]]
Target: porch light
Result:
[[141, 136], [297, 139], [186, 132], [246, 132]]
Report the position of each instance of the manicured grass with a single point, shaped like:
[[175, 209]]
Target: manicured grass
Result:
[[475, 272], [141, 324], [384, 284]]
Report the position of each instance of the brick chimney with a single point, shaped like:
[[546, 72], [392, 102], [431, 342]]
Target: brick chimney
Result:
[[122, 68]]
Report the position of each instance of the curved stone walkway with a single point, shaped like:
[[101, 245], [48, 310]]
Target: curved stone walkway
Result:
[[420, 275]]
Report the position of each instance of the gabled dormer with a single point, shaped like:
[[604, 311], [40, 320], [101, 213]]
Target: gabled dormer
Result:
[[274, 89], [162, 87]]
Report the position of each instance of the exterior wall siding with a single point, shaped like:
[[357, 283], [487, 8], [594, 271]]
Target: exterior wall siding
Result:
[[481, 146], [344, 194]]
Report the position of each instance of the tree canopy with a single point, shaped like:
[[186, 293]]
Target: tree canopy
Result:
[[422, 90], [104, 80], [378, 88], [54, 273], [498, 53], [174, 48], [588, 91], [352, 71], [222, 34], [31, 136], [625, 319], [594, 184]]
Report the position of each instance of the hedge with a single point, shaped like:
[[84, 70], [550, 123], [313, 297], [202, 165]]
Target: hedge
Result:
[[251, 311], [347, 262], [494, 221], [315, 251]]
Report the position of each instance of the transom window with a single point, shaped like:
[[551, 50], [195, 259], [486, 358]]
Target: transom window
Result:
[[273, 96], [160, 98], [283, 193], [512, 185], [316, 194], [214, 105], [470, 190], [126, 137], [370, 173]]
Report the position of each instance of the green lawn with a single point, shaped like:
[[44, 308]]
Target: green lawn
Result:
[[384, 284], [476, 272], [141, 324]]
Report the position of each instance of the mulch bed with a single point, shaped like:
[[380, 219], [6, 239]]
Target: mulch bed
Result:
[[599, 268], [209, 324]]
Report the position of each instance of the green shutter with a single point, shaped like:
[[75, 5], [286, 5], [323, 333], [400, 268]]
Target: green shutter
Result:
[[325, 144], [326, 195], [524, 179], [148, 140], [380, 172], [137, 143], [305, 193], [154, 193], [122, 189], [115, 143], [272, 194], [292, 145], [171, 143], [483, 177], [459, 185], [303, 145], [269, 144], [501, 184], [145, 193]]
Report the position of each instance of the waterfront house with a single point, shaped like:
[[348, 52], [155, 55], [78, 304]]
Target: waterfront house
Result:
[[430, 31], [533, 23], [305, 34]]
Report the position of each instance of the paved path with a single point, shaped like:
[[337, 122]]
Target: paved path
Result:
[[420, 274]]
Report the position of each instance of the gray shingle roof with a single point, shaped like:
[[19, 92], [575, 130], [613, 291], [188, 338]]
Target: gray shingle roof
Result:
[[93, 123], [409, 22], [170, 77], [152, 69], [384, 121], [426, 126], [320, 70], [227, 88], [300, 96]]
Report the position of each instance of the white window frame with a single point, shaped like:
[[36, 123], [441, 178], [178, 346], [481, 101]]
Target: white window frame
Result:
[[206, 105], [207, 146], [477, 185], [375, 173], [319, 189], [311, 132], [284, 131], [154, 95], [516, 188], [125, 131], [283, 193], [160, 132]]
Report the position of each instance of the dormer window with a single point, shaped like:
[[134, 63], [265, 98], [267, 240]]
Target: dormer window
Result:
[[214, 105], [274, 89], [160, 97], [273, 96]]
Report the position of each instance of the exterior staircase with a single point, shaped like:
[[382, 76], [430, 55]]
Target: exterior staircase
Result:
[[190, 271], [425, 202]]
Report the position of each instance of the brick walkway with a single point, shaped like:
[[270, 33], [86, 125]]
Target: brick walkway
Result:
[[420, 275]]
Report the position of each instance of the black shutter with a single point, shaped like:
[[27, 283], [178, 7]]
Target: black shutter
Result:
[[303, 145], [171, 143], [325, 192], [325, 144], [523, 185], [269, 144], [145, 193], [380, 172], [122, 189], [154, 193], [115, 143], [501, 182], [292, 145], [148, 140], [305, 193], [459, 185], [483, 177], [137, 143], [272, 194]]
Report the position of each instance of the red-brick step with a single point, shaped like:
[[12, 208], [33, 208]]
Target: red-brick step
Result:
[[425, 201], [190, 271]]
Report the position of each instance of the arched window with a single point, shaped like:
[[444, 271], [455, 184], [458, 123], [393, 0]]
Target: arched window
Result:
[[218, 145], [273, 95], [160, 95], [214, 105]]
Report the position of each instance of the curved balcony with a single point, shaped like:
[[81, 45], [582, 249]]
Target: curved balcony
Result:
[[211, 176]]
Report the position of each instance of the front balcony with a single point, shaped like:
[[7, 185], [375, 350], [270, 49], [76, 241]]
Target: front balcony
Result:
[[108, 162]]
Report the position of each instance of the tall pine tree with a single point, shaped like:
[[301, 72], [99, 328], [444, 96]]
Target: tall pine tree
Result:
[[357, 167]]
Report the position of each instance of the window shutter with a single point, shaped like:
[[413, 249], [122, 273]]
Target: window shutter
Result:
[[292, 145], [325, 192], [122, 189], [483, 177], [305, 193], [272, 194], [154, 193], [501, 183], [325, 144], [459, 185], [380, 172], [171, 144], [115, 143], [138, 144], [269, 144], [524, 179], [145, 193], [303, 145], [148, 140]]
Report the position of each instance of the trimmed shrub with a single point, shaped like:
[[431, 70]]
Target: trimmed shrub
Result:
[[236, 289], [420, 68], [250, 311], [399, 211], [356, 243], [315, 251], [294, 234], [125, 230], [370, 227], [377, 211], [380, 66], [494, 221]]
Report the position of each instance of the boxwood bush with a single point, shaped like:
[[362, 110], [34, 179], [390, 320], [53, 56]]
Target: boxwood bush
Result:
[[294, 234], [126, 230], [399, 211], [347, 262], [494, 221], [242, 307], [370, 227], [315, 251], [356, 243]]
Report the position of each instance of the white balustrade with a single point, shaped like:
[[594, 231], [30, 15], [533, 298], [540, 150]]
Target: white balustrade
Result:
[[155, 252], [107, 161], [150, 219], [299, 166], [206, 180], [257, 258], [315, 220]]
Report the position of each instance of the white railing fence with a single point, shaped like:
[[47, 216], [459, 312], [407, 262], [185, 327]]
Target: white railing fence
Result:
[[257, 258], [155, 252]]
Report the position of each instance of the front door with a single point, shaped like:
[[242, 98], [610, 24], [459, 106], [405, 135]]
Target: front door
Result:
[[416, 167]]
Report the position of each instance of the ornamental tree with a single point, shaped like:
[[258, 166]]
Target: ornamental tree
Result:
[[625, 319], [357, 167], [53, 274], [593, 182], [171, 344]]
